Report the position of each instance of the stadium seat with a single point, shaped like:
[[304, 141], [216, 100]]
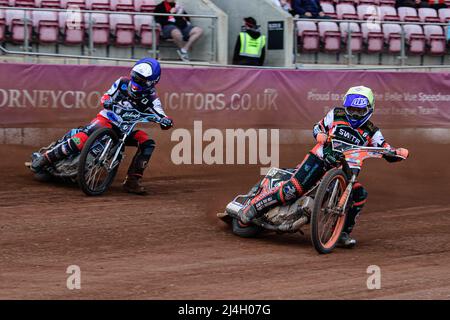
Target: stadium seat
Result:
[[330, 35], [54, 4], [392, 37], [72, 26], [369, 2], [144, 29], [145, 5], [444, 15], [46, 25], [23, 3], [373, 37], [308, 36], [390, 3], [15, 22], [2, 25], [356, 41], [428, 15], [435, 38], [122, 5], [346, 11], [408, 14], [328, 9], [122, 27], [4, 3], [79, 3], [415, 38], [388, 13], [98, 5], [365, 11], [100, 27]]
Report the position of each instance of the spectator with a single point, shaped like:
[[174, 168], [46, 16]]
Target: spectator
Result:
[[412, 3], [308, 9], [437, 4], [283, 4], [250, 48], [179, 29]]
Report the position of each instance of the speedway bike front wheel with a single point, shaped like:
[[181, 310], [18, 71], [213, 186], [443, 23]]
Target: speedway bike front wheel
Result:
[[328, 218], [95, 174]]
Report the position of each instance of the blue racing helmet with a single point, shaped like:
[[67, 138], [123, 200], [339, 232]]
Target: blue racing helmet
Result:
[[359, 104], [143, 77]]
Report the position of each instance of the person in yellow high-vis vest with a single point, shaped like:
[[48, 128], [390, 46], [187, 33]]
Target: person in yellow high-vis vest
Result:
[[250, 48]]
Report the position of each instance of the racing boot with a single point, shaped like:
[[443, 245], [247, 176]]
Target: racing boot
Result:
[[132, 185], [346, 241], [56, 154], [39, 163], [259, 205], [137, 167]]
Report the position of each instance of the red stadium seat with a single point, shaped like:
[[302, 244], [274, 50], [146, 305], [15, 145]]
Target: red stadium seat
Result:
[[444, 15], [373, 37], [330, 35], [356, 41], [2, 25], [346, 11], [390, 3], [392, 36], [15, 21], [365, 11], [122, 5], [328, 9], [308, 36], [24, 3], [370, 2], [100, 27], [429, 15], [98, 5], [435, 39], [46, 25], [408, 14], [54, 4], [415, 38], [388, 13], [72, 25], [122, 27], [145, 5], [144, 28], [78, 3]]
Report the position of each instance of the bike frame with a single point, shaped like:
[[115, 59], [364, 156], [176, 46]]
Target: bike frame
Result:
[[354, 157], [126, 128]]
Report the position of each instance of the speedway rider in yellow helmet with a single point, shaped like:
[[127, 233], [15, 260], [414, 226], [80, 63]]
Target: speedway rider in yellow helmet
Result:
[[349, 123]]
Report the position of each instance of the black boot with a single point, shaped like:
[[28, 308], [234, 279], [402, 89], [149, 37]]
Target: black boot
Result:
[[132, 185], [61, 151], [137, 168]]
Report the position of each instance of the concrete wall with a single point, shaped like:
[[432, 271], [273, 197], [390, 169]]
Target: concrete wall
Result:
[[263, 11], [219, 35]]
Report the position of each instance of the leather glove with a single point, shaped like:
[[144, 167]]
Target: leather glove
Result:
[[402, 152], [166, 123]]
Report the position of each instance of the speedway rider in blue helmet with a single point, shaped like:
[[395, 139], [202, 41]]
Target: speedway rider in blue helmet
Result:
[[349, 123], [136, 91]]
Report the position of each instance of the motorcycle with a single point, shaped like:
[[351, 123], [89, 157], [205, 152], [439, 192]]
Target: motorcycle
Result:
[[95, 167], [324, 207]]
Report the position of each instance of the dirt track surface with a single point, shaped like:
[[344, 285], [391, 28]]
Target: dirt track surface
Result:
[[170, 245]]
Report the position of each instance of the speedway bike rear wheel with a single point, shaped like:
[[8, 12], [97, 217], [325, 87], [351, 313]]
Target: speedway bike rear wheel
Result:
[[328, 219], [94, 173]]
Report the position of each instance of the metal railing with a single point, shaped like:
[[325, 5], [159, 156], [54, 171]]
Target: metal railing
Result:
[[402, 57], [90, 23]]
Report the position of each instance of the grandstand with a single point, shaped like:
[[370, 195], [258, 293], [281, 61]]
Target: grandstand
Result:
[[374, 32], [360, 32]]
